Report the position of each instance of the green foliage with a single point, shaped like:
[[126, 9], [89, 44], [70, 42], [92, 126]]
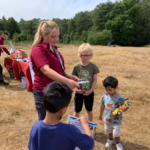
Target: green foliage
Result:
[[122, 29], [124, 22], [29, 37], [24, 42], [1, 26], [104, 37], [71, 26], [63, 26], [76, 36], [22, 36], [71, 36], [28, 28], [84, 36], [99, 38], [144, 26], [22, 25], [83, 21], [12, 27], [3, 23], [15, 37], [76, 42], [92, 37], [101, 15], [66, 39]]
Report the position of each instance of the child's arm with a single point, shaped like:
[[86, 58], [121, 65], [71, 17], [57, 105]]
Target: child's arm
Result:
[[84, 123], [101, 111], [92, 87], [125, 108]]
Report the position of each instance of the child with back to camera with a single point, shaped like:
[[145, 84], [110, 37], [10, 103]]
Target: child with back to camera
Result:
[[110, 101], [85, 70], [50, 133]]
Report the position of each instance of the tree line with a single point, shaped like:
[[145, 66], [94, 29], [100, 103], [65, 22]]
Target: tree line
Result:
[[125, 23]]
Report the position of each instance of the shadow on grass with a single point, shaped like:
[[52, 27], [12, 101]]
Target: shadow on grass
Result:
[[101, 138], [134, 146], [15, 88], [8, 79]]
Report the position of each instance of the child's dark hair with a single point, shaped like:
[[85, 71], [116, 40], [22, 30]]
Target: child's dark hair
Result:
[[110, 81], [56, 96]]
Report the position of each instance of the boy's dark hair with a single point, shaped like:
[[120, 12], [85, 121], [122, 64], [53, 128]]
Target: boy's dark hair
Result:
[[56, 96], [110, 81], [5, 33]]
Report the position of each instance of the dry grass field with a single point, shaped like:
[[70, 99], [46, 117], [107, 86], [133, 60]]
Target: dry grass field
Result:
[[131, 65]]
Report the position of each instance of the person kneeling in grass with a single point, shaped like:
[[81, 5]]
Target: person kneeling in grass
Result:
[[50, 133]]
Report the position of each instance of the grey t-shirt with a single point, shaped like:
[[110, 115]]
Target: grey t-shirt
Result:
[[111, 104], [85, 73]]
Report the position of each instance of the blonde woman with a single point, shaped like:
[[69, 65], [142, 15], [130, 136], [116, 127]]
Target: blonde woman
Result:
[[48, 63]]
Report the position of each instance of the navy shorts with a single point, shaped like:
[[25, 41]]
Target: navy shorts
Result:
[[88, 102]]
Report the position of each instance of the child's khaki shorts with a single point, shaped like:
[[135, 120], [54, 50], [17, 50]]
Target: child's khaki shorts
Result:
[[113, 128]]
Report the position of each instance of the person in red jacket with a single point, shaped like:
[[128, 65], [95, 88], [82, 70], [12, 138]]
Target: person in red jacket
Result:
[[3, 37], [48, 63]]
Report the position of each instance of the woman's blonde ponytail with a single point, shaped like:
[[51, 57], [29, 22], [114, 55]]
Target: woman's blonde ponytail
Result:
[[44, 27], [38, 35]]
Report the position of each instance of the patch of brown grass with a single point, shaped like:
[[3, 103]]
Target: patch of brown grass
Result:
[[129, 64]]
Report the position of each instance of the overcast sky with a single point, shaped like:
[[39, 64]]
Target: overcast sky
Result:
[[45, 9]]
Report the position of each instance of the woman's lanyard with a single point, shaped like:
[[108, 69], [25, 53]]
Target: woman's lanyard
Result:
[[60, 61]]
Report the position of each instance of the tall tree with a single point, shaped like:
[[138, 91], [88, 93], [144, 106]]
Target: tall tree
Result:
[[63, 26], [145, 21], [83, 21], [29, 27], [21, 24], [4, 23], [71, 26], [12, 27], [35, 23], [101, 15], [125, 22], [1, 26]]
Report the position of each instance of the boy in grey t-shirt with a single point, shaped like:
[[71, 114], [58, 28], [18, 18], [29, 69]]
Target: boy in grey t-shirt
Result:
[[85, 70], [110, 101]]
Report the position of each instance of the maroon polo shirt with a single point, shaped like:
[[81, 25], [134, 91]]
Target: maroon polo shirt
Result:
[[41, 55], [2, 43]]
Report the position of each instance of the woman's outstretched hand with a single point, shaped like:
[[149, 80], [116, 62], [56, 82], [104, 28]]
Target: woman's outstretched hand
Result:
[[3, 46], [72, 84], [73, 77]]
